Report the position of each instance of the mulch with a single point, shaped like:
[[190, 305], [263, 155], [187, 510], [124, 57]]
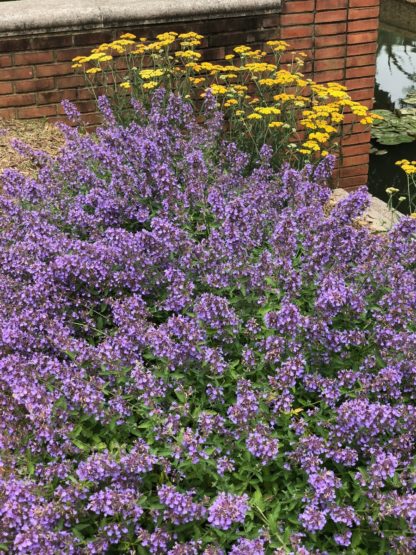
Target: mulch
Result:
[[38, 134]]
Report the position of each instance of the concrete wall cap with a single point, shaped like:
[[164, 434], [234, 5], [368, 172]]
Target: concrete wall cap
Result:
[[22, 16]]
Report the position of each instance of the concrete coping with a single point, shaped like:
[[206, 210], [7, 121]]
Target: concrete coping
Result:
[[39, 16]]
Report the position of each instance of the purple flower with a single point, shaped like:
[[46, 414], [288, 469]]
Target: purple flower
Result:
[[228, 509]]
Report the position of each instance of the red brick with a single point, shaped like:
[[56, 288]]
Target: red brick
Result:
[[84, 106], [330, 4], [301, 6], [89, 38], [335, 63], [364, 71], [54, 97], [330, 52], [69, 81], [211, 54], [352, 183], [67, 54], [351, 171], [357, 139], [30, 85], [6, 88], [50, 70], [359, 49], [303, 31], [17, 100], [355, 150], [51, 41], [271, 21], [325, 29], [8, 113], [16, 73], [363, 3], [364, 13], [224, 25], [86, 94], [302, 44], [28, 58], [362, 25], [361, 83], [360, 38], [357, 61], [330, 75], [296, 19], [330, 15], [361, 159], [362, 94], [36, 112], [333, 40], [14, 45], [5, 60]]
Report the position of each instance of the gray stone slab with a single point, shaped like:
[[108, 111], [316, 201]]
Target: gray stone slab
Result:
[[21, 16]]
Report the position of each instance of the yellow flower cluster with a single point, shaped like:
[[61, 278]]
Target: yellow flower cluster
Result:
[[247, 85], [408, 167]]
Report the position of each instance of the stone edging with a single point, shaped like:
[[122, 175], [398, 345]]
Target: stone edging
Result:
[[21, 16]]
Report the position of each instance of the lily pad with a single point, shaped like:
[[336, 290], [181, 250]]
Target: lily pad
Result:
[[394, 129], [407, 111], [410, 99]]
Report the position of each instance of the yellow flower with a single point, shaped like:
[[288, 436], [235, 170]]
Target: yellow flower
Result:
[[93, 70], [229, 57], [197, 80], [125, 85], [190, 35], [138, 50], [150, 85], [267, 110], [230, 102], [413, 215], [319, 137], [218, 89], [151, 73], [128, 36], [239, 113], [278, 45], [107, 58], [254, 116], [188, 54], [392, 190], [75, 66], [275, 124], [311, 145], [366, 121], [304, 151], [259, 67], [283, 97], [242, 49]]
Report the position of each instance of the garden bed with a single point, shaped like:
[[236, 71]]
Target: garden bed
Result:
[[36, 134]]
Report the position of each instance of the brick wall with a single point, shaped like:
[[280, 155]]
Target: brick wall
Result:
[[36, 72], [340, 37]]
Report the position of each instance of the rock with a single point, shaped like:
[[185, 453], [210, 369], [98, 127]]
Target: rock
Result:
[[377, 218]]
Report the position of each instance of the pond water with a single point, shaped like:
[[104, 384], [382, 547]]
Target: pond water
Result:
[[395, 78]]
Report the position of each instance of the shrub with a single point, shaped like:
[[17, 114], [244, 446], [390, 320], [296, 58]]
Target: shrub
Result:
[[264, 100], [195, 357]]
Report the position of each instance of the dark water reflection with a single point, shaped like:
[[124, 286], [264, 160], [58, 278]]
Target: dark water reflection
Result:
[[395, 78]]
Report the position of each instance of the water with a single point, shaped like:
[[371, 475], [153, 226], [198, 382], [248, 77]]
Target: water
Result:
[[395, 78]]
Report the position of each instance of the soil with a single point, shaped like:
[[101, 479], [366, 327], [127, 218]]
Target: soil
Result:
[[38, 134]]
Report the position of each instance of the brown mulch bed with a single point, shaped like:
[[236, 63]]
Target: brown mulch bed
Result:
[[38, 134]]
